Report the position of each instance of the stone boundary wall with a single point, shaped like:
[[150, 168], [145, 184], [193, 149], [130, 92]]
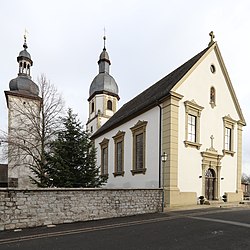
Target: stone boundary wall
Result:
[[39, 207]]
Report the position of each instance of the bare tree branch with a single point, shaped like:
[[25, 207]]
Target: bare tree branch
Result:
[[34, 127]]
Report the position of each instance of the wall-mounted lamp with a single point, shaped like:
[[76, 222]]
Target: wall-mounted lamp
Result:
[[164, 157]]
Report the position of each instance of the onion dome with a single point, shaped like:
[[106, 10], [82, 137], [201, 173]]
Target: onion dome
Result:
[[103, 82], [23, 82]]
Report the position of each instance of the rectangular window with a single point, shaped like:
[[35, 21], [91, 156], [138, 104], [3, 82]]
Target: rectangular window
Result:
[[228, 134], [118, 154], [139, 151], [191, 128], [104, 156], [139, 147], [104, 168], [119, 150], [192, 124], [229, 124]]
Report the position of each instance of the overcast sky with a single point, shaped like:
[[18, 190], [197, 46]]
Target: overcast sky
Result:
[[146, 40]]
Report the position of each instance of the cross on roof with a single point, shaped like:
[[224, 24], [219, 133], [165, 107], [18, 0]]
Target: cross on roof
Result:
[[25, 35], [212, 36], [104, 38], [212, 141]]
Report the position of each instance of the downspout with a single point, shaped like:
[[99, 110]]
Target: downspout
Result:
[[160, 172], [160, 162]]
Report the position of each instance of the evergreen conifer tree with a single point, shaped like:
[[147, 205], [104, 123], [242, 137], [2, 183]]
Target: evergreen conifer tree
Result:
[[72, 158]]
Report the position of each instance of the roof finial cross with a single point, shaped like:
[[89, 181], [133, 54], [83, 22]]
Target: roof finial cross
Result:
[[104, 38], [25, 39], [212, 36]]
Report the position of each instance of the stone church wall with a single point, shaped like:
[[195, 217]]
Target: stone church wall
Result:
[[41, 207]]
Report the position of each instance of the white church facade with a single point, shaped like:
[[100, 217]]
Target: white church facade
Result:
[[192, 115]]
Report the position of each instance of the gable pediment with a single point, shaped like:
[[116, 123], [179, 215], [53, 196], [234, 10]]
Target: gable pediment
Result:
[[215, 49]]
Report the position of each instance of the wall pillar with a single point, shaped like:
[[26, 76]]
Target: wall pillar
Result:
[[170, 111], [239, 158]]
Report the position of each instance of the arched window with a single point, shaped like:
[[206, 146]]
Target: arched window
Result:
[[20, 67], [212, 97], [92, 107], [109, 105], [210, 173], [24, 68]]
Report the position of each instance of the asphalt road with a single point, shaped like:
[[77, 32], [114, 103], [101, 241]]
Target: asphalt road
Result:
[[215, 228]]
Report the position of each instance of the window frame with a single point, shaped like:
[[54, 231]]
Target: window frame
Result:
[[138, 129], [229, 124], [192, 109], [104, 165], [119, 138]]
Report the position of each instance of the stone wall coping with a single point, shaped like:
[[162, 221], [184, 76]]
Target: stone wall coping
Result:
[[74, 189]]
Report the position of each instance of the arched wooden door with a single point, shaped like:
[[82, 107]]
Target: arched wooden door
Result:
[[210, 184]]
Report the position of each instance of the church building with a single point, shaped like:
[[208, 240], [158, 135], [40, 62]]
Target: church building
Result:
[[182, 134]]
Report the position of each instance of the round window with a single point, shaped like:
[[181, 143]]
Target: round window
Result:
[[212, 68]]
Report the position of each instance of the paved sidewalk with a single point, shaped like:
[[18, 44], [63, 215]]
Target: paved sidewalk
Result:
[[219, 204]]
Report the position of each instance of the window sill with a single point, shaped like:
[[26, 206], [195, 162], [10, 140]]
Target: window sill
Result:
[[119, 174], [192, 144], [138, 171], [228, 152]]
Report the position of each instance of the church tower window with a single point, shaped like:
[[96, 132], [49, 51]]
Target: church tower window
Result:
[[109, 105], [92, 107]]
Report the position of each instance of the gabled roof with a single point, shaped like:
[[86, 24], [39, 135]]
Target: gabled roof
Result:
[[150, 97]]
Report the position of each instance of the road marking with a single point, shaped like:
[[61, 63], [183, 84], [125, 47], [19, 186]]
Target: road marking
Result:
[[84, 230], [221, 221], [111, 226]]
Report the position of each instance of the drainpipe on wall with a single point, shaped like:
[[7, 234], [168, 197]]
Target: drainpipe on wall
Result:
[[160, 172], [160, 161]]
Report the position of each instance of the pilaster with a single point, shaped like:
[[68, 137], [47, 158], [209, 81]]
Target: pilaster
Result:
[[239, 156], [170, 111]]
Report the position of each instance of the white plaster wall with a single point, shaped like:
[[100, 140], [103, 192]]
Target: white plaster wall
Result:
[[197, 87], [99, 103], [151, 177]]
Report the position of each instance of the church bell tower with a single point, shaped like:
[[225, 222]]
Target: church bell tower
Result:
[[103, 94], [23, 105]]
